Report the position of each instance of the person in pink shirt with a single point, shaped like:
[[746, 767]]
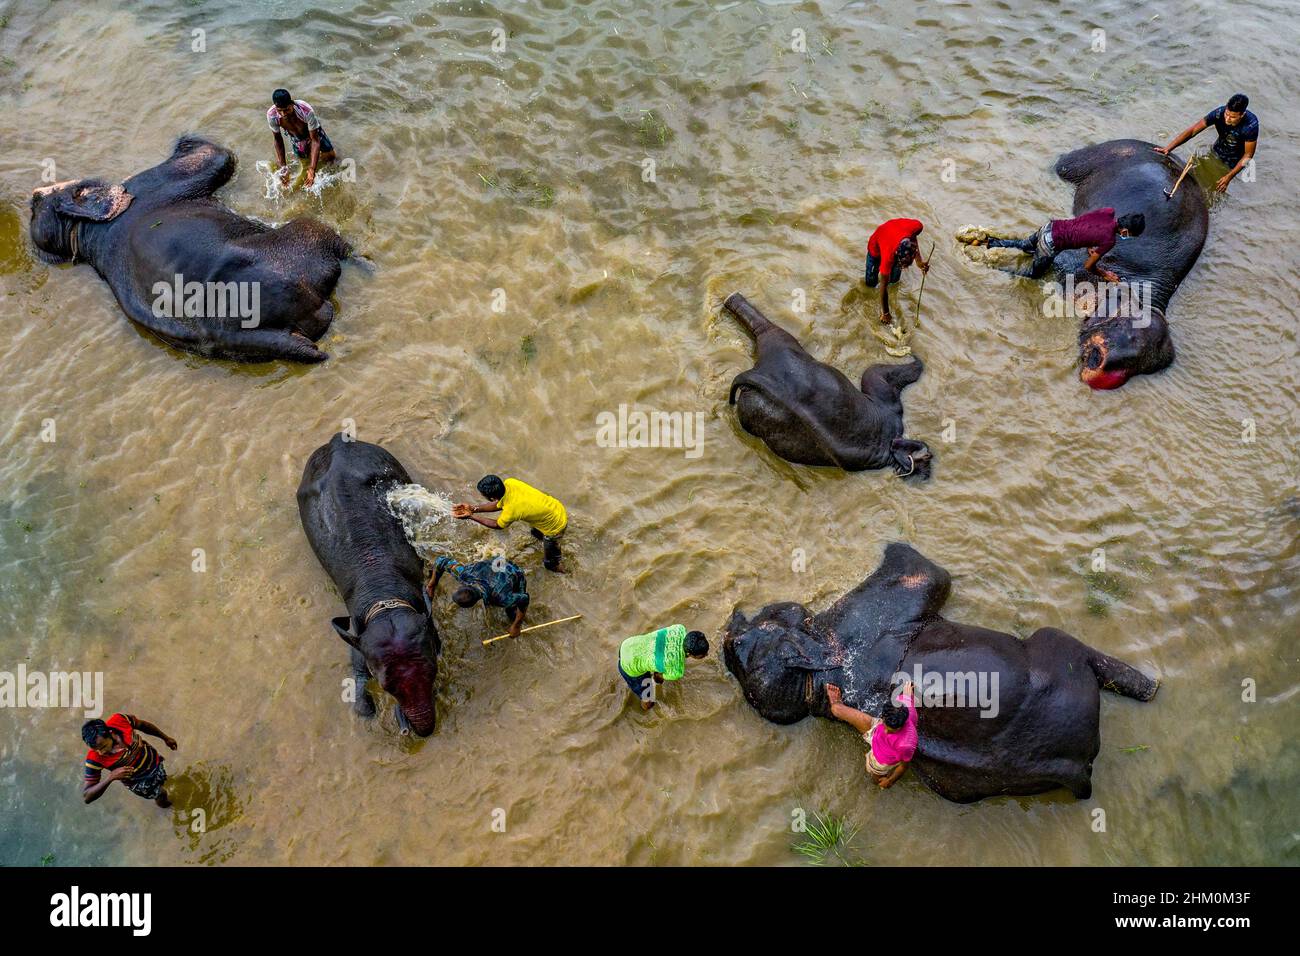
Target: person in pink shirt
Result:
[[890, 738]]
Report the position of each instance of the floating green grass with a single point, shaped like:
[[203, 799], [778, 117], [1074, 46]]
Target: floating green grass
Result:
[[828, 837]]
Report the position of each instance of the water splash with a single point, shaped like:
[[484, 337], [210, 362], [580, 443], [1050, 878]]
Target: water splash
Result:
[[425, 516], [277, 190]]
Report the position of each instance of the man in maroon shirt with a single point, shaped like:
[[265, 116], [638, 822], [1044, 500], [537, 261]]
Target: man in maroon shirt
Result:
[[1095, 231], [890, 250]]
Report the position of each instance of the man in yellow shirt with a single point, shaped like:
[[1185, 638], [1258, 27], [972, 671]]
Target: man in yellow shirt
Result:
[[518, 501]]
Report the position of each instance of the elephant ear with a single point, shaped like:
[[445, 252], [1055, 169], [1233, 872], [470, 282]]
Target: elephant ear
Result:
[[343, 627], [95, 201]]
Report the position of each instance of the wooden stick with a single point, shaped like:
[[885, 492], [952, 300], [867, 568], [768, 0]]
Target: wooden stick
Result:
[[532, 628], [1191, 159], [916, 322]]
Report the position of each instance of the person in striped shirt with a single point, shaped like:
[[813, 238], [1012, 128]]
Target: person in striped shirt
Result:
[[117, 747]]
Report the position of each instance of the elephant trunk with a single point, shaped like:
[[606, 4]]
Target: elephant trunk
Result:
[[755, 322]]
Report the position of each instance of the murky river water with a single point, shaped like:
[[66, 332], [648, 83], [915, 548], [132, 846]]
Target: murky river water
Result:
[[522, 170]]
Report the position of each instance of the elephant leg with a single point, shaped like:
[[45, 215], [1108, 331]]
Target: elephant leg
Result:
[[364, 705], [884, 383]]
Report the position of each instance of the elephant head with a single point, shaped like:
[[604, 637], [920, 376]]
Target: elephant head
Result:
[[1114, 348], [57, 210], [401, 650], [776, 657]]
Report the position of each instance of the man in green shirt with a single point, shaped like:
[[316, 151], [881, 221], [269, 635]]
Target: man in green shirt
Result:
[[660, 655]]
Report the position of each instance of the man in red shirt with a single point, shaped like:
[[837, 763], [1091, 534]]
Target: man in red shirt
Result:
[[1095, 231], [890, 250], [116, 746]]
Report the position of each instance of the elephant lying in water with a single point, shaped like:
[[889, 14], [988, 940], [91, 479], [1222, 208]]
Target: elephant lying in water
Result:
[[1035, 732], [811, 414], [1123, 338], [362, 547], [245, 291]]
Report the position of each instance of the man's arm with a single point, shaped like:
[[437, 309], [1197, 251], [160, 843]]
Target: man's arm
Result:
[[1193, 130], [517, 623], [884, 295], [433, 581], [280, 162], [315, 156], [93, 791], [485, 522], [892, 778], [1091, 266], [1246, 157], [147, 728], [856, 719]]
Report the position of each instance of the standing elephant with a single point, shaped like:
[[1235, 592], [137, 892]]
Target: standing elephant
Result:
[[363, 549], [811, 414], [1124, 338], [1036, 730], [188, 269]]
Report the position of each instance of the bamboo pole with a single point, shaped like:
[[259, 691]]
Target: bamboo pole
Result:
[[534, 627]]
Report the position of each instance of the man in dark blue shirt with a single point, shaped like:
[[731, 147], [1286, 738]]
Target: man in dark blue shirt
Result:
[[1238, 130], [498, 582]]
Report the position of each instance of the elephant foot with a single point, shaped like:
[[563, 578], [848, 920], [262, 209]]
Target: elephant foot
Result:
[[364, 707]]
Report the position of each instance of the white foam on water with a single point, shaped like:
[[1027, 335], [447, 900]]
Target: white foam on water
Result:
[[425, 516], [276, 190]]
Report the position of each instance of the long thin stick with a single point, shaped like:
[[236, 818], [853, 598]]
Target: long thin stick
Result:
[[532, 628], [1170, 194], [916, 322]]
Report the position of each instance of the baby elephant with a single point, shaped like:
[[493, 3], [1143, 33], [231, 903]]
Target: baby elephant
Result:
[[197, 275], [811, 414], [362, 547]]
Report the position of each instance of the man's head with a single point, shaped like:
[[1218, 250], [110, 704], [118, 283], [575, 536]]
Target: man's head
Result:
[[894, 715], [696, 645], [97, 735], [1131, 226], [283, 101], [906, 252], [491, 487], [1235, 111], [466, 596]]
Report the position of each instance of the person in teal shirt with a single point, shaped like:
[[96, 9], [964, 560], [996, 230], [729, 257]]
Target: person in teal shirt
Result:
[[660, 655]]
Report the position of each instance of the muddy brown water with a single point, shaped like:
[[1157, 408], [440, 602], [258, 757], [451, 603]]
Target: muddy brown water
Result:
[[521, 170]]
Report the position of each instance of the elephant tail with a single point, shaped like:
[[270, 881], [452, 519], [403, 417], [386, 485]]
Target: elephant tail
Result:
[[1114, 675]]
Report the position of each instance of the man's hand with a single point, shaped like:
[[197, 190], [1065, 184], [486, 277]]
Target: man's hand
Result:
[[1222, 185], [284, 174], [659, 678], [1162, 150], [833, 694], [120, 773], [515, 628], [170, 742], [923, 266], [311, 177], [886, 318], [908, 688], [462, 510], [1109, 276]]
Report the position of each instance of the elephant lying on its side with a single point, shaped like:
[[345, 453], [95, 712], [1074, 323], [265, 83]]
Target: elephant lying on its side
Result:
[[181, 264], [1036, 731], [364, 550], [811, 414], [1120, 340]]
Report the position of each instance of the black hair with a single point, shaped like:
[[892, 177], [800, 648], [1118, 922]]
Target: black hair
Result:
[[282, 98], [465, 596], [906, 247], [492, 488], [1134, 222], [696, 644], [894, 715], [1238, 102], [92, 730]]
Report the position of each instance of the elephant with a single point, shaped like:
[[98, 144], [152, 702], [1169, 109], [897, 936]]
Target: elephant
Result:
[[191, 271], [1124, 337], [1037, 730], [363, 549], [811, 414]]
